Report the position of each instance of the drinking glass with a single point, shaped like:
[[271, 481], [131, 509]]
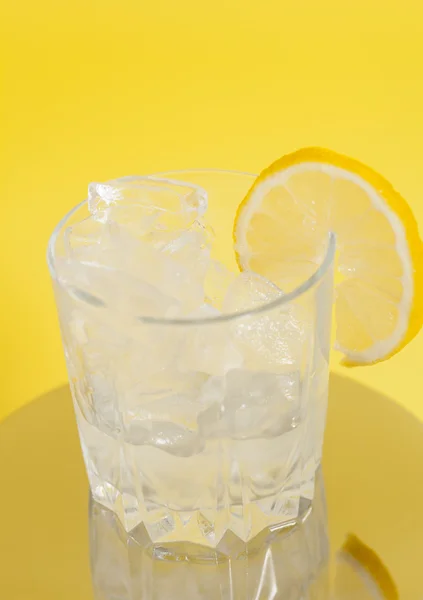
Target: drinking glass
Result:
[[205, 431]]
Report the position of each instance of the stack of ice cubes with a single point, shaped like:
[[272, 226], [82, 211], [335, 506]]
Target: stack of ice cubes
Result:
[[170, 351]]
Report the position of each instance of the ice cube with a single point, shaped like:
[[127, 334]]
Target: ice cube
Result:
[[142, 245], [110, 243], [167, 196], [249, 291], [176, 280], [247, 404], [271, 339], [216, 284], [166, 436], [271, 342], [176, 273], [105, 400], [102, 286], [208, 347], [248, 388], [137, 219], [213, 391], [191, 249], [161, 410], [77, 328], [181, 409], [84, 233]]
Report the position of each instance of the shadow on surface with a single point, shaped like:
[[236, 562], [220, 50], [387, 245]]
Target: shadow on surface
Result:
[[372, 462]]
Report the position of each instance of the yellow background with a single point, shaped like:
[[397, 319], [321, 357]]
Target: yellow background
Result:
[[98, 89]]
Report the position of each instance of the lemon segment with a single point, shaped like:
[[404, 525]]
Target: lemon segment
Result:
[[281, 229], [361, 575]]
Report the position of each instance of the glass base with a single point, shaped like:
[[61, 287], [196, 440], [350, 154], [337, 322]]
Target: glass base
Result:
[[289, 562]]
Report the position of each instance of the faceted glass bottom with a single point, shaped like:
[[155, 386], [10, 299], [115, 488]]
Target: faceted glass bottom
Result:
[[226, 489], [289, 563]]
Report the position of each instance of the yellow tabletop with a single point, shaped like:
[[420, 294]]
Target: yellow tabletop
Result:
[[374, 489]]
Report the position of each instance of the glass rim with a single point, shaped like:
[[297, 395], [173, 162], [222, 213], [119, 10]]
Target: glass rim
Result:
[[298, 291]]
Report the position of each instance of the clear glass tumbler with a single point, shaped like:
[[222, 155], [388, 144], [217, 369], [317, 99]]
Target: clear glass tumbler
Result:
[[291, 566], [205, 432]]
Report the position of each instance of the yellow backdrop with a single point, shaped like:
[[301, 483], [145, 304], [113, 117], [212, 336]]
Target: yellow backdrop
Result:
[[93, 89]]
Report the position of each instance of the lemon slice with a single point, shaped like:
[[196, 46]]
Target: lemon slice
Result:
[[361, 575], [280, 232]]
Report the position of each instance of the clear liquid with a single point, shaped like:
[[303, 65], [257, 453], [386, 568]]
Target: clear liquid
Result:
[[218, 492]]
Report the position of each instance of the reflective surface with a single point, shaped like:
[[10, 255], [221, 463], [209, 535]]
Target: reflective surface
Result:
[[293, 565], [372, 463]]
